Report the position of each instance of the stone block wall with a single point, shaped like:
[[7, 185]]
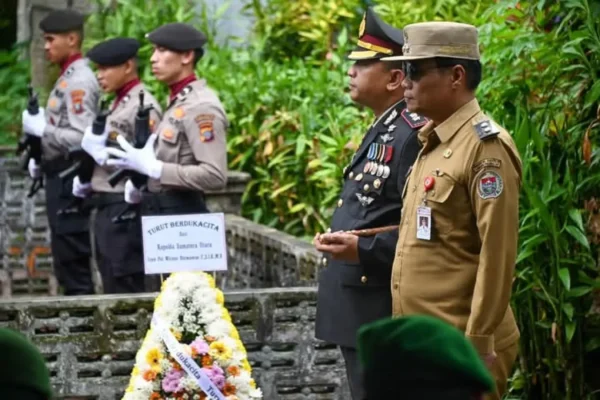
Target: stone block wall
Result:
[[90, 342]]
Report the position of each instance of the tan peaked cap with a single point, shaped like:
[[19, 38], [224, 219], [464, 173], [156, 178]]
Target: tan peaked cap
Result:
[[438, 39]]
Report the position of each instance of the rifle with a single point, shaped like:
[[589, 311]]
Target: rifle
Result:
[[31, 144], [141, 135], [82, 163]]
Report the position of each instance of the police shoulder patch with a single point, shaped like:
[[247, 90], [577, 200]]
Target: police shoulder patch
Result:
[[413, 120], [486, 129], [489, 185], [77, 97], [205, 125]]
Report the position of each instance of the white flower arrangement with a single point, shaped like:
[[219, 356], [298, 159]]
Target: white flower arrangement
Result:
[[193, 310]]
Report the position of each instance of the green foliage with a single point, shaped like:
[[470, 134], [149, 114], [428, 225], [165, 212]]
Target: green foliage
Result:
[[14, 78], [548, 99]]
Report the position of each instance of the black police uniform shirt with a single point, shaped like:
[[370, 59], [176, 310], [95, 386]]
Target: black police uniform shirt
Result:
[[351, 294]]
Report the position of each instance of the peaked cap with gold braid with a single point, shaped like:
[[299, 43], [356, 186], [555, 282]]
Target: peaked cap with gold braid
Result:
[[376, 39]]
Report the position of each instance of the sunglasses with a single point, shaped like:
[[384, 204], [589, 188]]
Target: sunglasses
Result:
[[414, 72]]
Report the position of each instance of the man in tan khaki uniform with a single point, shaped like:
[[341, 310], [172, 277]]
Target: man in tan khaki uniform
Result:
[[190, 156], [464, 190], [118, 241], [72, 106]]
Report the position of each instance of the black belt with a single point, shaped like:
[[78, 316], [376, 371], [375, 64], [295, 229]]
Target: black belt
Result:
[[173, 199], [105, 199], [55, 166]]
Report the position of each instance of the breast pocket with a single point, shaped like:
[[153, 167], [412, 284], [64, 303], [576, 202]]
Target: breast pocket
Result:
[[439, 199], [368, 194], [169, 144]]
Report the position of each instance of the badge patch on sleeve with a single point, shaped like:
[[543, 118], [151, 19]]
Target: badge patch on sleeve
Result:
[[77, 99], [490, 185], [205, 126]]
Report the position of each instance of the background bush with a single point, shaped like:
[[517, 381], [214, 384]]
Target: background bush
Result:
[[293, 129]]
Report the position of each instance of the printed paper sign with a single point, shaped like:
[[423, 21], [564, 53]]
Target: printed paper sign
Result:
[[193, 242]]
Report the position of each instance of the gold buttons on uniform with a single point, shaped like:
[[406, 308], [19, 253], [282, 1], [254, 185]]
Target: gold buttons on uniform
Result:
[[377, 184], [351, 175], [359, 177], [366, 188], [363, 279], [340, 202], [447, 153], [396, 286], [324, 262]]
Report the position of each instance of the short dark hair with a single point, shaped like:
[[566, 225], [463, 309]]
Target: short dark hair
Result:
[[472, 69], [396, 64]]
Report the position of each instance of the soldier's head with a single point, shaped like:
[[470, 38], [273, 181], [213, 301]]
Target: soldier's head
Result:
[[116, 62], [374, 83], [420, 357], [442, 67], [63, 34], [177, 49], [23, 371]]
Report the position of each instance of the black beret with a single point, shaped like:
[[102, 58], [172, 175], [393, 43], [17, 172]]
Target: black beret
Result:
[[114, 51], [178, 37], [61, 21]]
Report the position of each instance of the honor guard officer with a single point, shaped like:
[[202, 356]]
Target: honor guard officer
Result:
[[354, 284], [465, 184], [119, 250], [190, 156], [72, 106]]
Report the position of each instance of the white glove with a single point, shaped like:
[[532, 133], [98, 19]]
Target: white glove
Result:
[[34, 170], [132, 195], [95, 145], [141, 160], [34, 124], [81, 190]]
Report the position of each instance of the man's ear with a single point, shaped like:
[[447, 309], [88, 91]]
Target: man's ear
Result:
[[459, 76], [187, 57], [396, 78]]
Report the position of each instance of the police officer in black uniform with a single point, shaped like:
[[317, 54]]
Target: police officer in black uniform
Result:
[[354, 283]]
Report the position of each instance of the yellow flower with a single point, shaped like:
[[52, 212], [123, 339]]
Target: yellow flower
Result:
[[136, 371], [246, 365], [210, 279], [240, 346], [220, 297], [234, 333], [219, 351], [177, 334], [129, 388], [252, 383], [158, 302], [226, 315], [153, 358]]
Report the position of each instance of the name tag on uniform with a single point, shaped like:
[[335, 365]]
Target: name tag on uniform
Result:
[[193, 242], [424, 223]]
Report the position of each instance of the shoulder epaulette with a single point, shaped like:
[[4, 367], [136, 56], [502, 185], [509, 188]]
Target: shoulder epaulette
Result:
[[413, 120], [486, 129], [69, 71]]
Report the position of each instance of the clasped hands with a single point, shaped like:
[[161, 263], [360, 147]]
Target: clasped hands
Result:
[[339, 245]]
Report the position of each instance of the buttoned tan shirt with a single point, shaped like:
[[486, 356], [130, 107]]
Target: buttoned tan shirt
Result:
[[72, 107], [463, 274], [192, 142], [121, 121]]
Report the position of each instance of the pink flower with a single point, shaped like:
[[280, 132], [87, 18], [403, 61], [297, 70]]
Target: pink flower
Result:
[[216, 375], [200, 346], [171, 380]]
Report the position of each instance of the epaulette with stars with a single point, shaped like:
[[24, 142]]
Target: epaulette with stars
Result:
[[486, 129], [413, 120]]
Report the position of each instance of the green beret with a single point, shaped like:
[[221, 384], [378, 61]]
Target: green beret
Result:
[[420, 355], [61, 21], [23, 371]]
